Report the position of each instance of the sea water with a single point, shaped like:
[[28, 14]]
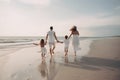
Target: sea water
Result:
[[15, 41]]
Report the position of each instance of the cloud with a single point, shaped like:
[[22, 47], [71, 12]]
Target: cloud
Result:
[[117, 8], [7, 1], [93, 21], [21, 20], [35, 2]]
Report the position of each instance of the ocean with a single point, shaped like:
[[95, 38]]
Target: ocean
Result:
[[10, 42], [24, 41]]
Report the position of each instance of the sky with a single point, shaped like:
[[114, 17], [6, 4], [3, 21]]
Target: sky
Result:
[[34, 17]]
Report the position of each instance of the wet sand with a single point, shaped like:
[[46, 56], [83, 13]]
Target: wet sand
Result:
[[97, 60], [101, 63]]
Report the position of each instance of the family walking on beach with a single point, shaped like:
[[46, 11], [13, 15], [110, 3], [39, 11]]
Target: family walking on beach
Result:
[[51, 37]]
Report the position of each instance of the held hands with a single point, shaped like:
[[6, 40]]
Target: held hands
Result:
[[59, 41], [45, 42]]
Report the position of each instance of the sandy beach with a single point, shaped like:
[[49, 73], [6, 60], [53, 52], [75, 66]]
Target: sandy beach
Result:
[[98, 59]]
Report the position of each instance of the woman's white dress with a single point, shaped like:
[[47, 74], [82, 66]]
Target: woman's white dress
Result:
[[75, 42]]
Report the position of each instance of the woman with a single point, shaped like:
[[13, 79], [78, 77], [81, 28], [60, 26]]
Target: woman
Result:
[[75, 40]]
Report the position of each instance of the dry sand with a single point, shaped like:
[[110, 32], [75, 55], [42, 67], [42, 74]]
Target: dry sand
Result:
[[102, 62]]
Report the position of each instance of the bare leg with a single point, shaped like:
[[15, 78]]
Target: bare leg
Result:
[[53, 48], [75, 53], [42, 56], [66, 51], [66, 59], [50, 51]]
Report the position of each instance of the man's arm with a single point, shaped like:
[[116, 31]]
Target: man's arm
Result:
[[55, 37], [46, 38]]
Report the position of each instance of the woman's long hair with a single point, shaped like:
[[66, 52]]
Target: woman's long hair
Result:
[[74, 28]]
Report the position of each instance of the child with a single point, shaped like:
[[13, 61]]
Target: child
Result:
[[66, 43], [43, 49]]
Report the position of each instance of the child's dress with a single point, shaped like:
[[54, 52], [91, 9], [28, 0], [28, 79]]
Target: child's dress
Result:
[[43, 50], [66, 43]]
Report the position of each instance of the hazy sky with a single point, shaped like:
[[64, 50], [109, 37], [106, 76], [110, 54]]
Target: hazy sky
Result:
[[34, 17]]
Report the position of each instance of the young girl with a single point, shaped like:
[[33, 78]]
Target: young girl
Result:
[[43, 49], [66, 44]]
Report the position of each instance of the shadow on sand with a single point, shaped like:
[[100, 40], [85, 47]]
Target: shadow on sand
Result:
[[94, 63]]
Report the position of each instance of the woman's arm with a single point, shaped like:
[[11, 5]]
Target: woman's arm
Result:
[[70, 35], [78, 33]]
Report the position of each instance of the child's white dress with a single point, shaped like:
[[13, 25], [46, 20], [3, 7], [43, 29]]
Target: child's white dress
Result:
[[43, 50], [66, 43]]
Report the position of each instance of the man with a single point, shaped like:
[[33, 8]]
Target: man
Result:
[[51, 36]]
